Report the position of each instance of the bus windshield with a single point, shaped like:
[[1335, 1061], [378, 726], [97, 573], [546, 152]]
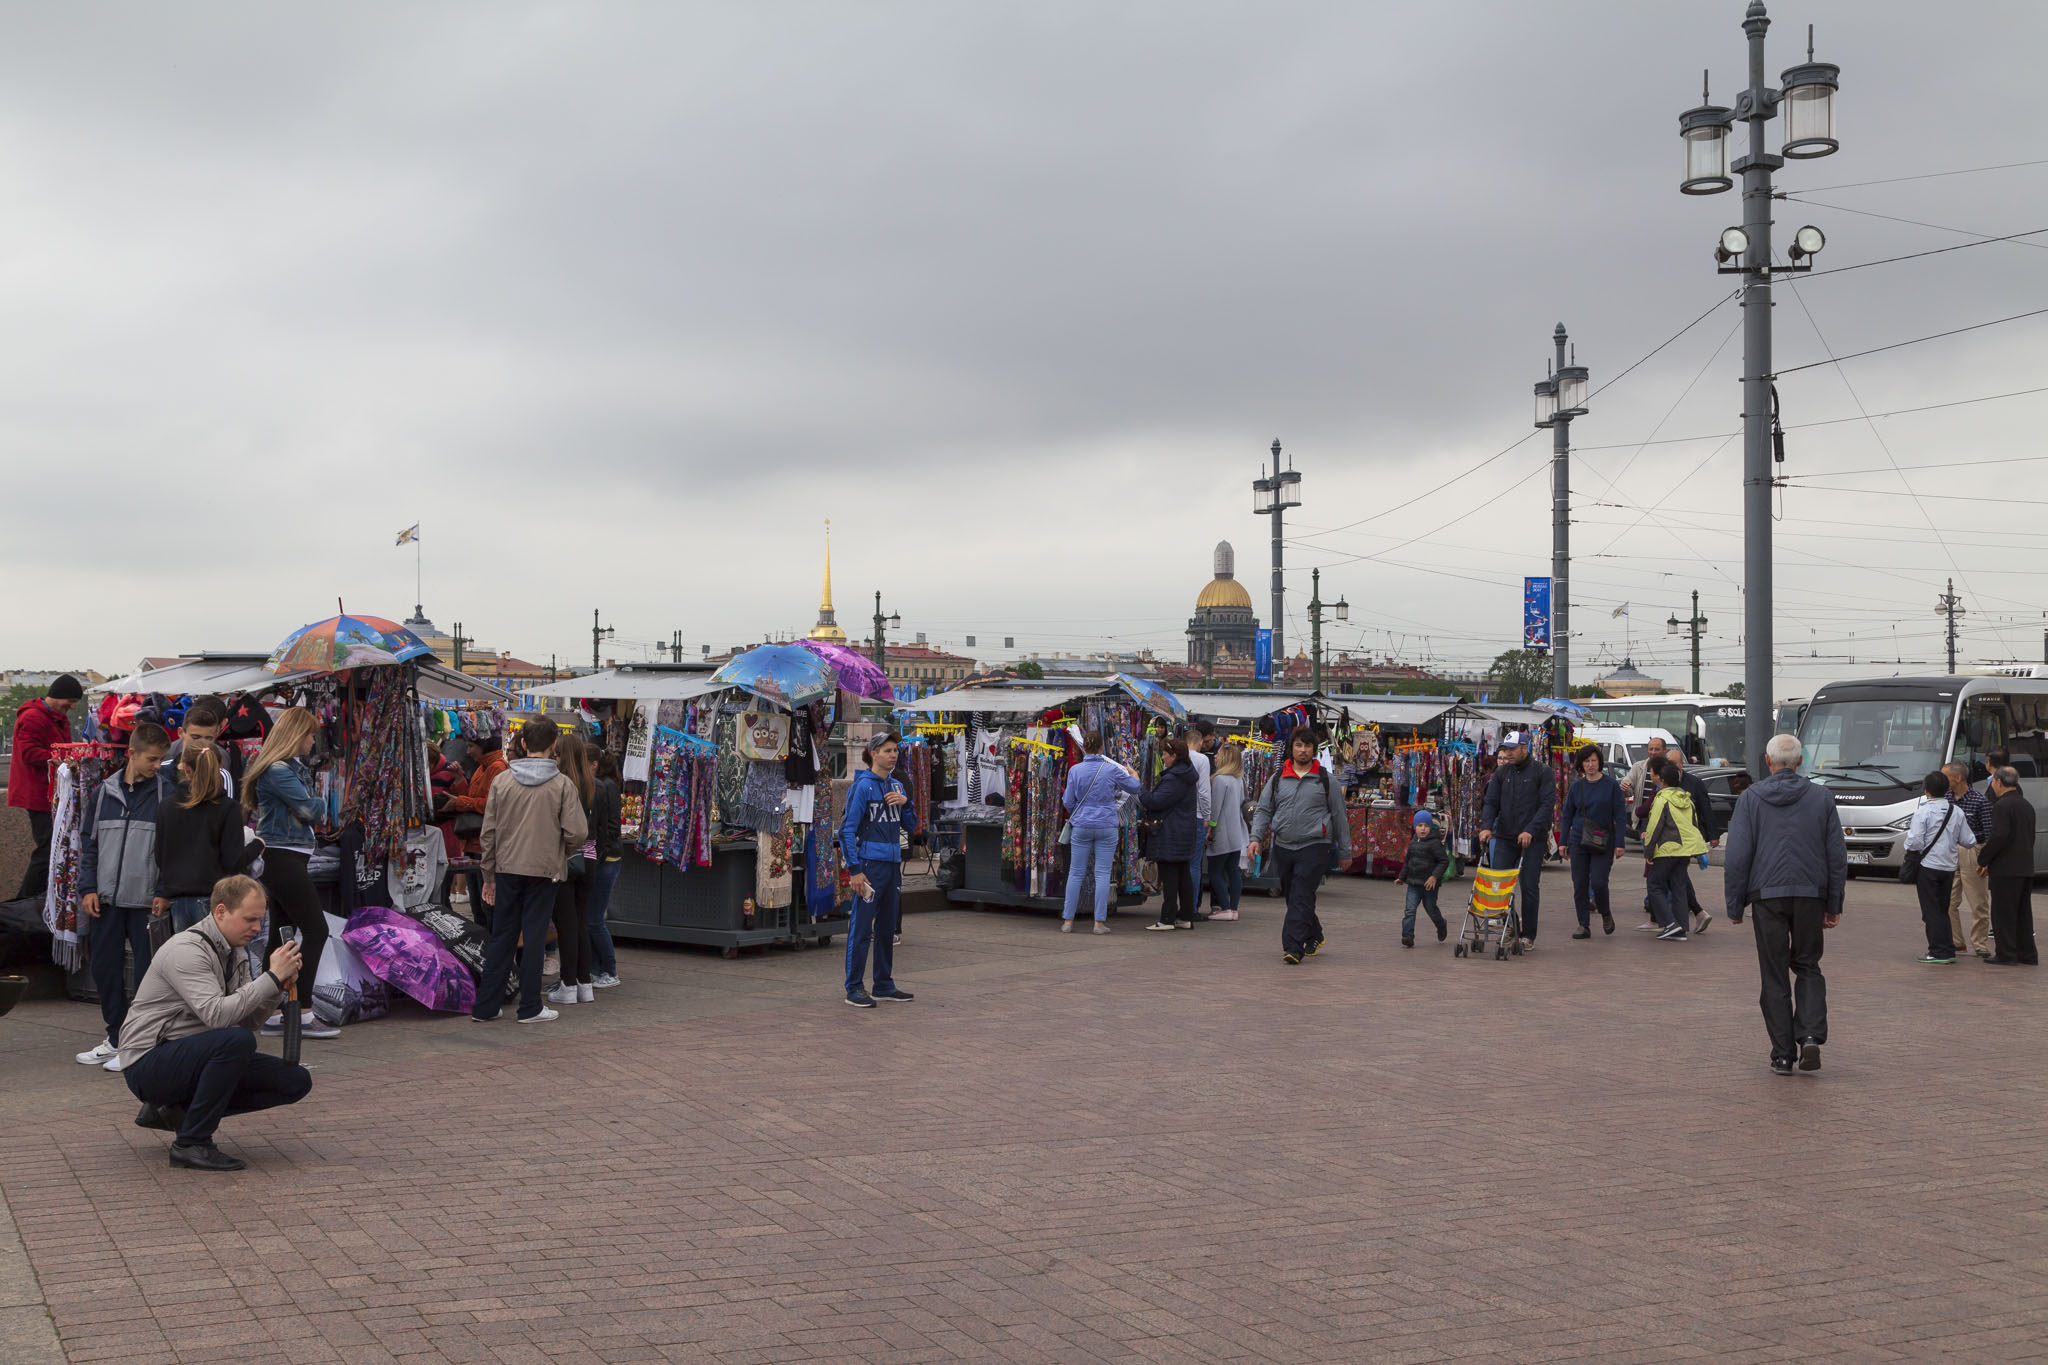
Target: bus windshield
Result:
[[1880, 742], [1723, 726]]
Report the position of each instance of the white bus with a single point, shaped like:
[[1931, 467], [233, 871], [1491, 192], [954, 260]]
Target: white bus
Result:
[[1871, 743], [1708, 728]]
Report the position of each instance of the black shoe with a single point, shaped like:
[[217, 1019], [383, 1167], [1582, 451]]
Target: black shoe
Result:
[[205, 1157], [1583, 933], [1407, 941], [860, 1000], [165, 1118], [1809, 1056], [1291, 958], [1606, 922], [1780, 1066], [1442, 930], [893, 994], [1315, 947]]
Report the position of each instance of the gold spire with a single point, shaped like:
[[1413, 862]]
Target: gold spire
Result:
[[827, 628]]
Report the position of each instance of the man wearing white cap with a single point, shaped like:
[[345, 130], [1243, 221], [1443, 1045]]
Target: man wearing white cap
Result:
[[1514, 822]]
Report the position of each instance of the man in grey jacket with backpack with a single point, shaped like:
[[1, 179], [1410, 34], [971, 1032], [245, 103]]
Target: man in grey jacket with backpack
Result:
[[1301, 818]]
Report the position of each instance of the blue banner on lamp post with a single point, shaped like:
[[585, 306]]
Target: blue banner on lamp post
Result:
[[1262, 656], [1536, 613]]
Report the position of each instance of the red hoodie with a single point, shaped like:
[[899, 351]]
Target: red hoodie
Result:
[[36, 729]]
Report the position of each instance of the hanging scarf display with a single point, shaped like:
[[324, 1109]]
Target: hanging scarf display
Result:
[[681, 786], [821, 850], [76, 780], [771, 866], [383, 773]]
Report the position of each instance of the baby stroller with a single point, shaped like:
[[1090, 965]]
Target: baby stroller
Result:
[[1493, 916]]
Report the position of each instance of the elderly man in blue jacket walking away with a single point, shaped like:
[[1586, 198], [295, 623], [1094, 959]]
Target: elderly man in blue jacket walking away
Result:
[[1514, 822], [1786, 858], [878, 810]]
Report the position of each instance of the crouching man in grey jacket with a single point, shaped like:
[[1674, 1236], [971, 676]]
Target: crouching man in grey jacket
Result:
[[187, 1048]]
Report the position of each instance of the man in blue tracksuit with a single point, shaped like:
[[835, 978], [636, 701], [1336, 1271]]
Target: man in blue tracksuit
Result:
[[877, 811]]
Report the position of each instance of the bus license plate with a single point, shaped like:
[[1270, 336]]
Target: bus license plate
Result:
[[1859, 858]]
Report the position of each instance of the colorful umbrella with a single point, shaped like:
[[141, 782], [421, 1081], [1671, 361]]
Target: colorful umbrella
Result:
[[784, 674], [1151, 695], [407, 955], [857, 672], [347, 642]]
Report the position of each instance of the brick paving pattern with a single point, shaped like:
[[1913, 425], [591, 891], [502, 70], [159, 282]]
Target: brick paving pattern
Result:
[[1142, 1148]]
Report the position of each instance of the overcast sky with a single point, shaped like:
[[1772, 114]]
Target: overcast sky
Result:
[[621, 302]]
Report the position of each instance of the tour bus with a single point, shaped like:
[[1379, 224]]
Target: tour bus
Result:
[[1871, 744], [1789, 712], [1709, 728]]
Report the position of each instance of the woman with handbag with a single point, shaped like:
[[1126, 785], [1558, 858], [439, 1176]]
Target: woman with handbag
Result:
[[1227, 833], [1171, 843], [578, 983], [1595, 821], [1090, 799]]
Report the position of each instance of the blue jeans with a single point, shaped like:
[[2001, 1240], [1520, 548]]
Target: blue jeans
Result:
[[602, 951], [1226, 880], [872, 923], [524, 907], [1424, 896], [1503, 853], [1093, 849], [187, 911], [115, 929]]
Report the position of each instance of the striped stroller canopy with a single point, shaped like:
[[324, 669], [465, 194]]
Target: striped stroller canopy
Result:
[[1493, 889]]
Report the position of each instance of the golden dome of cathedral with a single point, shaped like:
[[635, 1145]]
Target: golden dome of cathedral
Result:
[[1224, 592]]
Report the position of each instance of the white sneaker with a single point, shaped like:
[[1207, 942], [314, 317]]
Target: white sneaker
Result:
[[1101, 928], [896, 942], [606, 980], [100, 1055], [585, 993], [543, 1017], [114, 1065], [1528, 945], [1701, 921], [564, 994]]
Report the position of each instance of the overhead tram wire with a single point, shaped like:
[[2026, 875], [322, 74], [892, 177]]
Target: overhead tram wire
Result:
[[1984, 238], [1915, 341], [1827, 422], [1927, 175]]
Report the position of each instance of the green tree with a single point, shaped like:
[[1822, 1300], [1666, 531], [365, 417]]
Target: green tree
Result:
[[1731, 690], [1030, 669], [1520, 675], [13, 700]]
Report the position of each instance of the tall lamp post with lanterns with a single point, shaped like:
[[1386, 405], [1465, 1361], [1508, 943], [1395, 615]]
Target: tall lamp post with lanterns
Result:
[[893, 622], [1271, 497], [1692, 625], [1340, 609], [1807, 99], [1559, 398]]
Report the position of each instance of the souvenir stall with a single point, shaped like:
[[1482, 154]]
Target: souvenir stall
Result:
[[728, 812], [1011, 745], [1261, 723]]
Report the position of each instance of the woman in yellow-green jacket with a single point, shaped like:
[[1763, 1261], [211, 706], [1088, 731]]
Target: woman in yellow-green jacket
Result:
[[1672, 839]]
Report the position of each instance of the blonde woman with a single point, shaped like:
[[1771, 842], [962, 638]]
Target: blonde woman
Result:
[[572, 896], [277, 790], [1227, 834], [200, 838]]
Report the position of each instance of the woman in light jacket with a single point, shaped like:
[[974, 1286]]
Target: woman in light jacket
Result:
[[1172, 800], [1093, 786], [1227, 833], [277, 790]]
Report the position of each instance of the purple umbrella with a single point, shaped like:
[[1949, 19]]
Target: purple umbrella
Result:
[[857, 672], [408, 955]]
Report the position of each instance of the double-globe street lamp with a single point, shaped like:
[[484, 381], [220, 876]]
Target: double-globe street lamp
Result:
[[1340, 609], [1559, 398], [1272, 497], [1806, 97]]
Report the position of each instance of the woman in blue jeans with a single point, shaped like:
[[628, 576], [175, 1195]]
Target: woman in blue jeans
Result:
[[1227, 832], [604, 832], [1093, 786]]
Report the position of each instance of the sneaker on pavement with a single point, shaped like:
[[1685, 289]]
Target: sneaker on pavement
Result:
[[1224, 915], [860, 1000], [1929, 959], [1162, 927], [606, 980], [1582, 933], [900, 997], [1528, 945], [1701, 921], [1443, 930], [1183, 924], [1066, 926], [1407, 940], [1100, 927], [100, 1054], [112, 1065], [1315, 947], [564, 994], [585, 992], [275, 1023], [482, 1018], [1291, 958], [1809, 1056], [1676, 934], [1606, 922], [1781, 1066], [543, 1017], [313, 1026]]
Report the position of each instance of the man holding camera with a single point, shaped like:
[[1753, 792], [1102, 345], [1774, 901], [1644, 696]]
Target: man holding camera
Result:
[[188, 1046]]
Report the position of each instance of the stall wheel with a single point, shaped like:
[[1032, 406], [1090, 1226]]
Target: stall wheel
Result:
[[824, 940], [729, 953], [799, 943]]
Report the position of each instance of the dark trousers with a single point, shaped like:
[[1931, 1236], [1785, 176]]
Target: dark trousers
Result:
[[36, 880], [1933, 887], [1529, 887], [1301, 871], [604, 956], [116, 933], [1591, 868], [295, 901], [572, 927], [1789, 938], [1669, 892], [519, 922], [871, 924], [2012, 920], [1176, 892], [215, 1074]]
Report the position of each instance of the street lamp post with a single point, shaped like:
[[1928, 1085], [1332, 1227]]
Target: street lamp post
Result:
[[893, 622], [598, 635], [1808, 100], [1339, 608], [1693, 626], [1271, 497], [1559, 398]]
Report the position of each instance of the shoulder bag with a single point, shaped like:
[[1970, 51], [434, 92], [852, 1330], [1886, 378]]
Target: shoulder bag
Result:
[[1599, 838], [1067, 825], [1909, 869]]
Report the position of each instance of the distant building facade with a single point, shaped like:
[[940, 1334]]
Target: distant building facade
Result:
[[1224, 628]]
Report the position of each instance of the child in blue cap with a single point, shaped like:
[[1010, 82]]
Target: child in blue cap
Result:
[[1423, 870]]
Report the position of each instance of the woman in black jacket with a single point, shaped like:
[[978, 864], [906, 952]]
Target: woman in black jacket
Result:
[[200, 837], [1171, 800], [605, 809]]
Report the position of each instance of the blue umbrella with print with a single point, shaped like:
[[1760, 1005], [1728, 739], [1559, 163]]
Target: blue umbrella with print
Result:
[[1152, 696], [788, 675]]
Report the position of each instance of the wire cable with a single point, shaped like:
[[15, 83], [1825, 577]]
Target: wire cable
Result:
[[1914, 222], [1929, 175], [1875, 350]]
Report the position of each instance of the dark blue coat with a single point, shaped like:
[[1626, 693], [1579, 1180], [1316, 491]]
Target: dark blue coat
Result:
[[1598, 803], [1172, 799], [1518, 800]]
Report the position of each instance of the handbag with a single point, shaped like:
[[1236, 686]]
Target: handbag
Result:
[[1909, 869], [468, 825], [1067, 824]]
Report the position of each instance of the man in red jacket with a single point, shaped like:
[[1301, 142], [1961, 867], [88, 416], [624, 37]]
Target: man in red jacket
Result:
[[38, 727]]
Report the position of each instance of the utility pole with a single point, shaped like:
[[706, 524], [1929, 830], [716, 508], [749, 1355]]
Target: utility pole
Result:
[[1950, 606], [1559, 398], [552, 670], [675, 649], [598, 635], [1694, 625], [893, 622], [1808, 100], [461, 641], [1271, 497], [1340, 609]]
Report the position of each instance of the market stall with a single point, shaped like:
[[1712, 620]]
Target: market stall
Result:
[[1261, 723], [1000, 755]]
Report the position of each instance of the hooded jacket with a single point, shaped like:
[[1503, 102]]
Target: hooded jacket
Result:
[[37, 730], [1518, 800], [1296, 811], [1674, 827], [195, 982], [869, 831], [117, 852], [533, 821], [1785, 839]]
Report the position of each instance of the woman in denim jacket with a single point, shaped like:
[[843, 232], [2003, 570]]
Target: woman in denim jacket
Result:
[[276, 789]]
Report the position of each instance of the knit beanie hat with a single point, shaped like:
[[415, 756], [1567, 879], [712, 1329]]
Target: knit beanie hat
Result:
[[66, 688], [1423, 817]]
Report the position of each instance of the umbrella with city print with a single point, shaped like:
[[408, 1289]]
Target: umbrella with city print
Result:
[[788, 675], [346, 642]]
